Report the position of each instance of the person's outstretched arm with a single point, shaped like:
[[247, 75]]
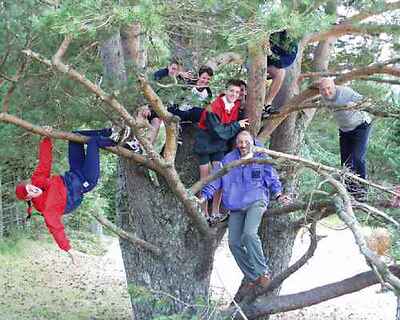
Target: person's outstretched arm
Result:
[[43, 170], [56, 228]]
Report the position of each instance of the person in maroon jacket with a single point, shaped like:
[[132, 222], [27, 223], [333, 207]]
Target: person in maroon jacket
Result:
[[216, 127], [56, 195]]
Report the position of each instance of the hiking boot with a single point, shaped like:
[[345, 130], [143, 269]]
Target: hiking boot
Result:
[[120, 134], [244, 290], [264, 280]]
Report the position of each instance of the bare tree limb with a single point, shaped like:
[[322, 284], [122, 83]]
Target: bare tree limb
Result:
[[381, 80], [110, 100], [171, 123], [277, 280], [278, 304], [347, 215], [351, 25], [280, 155], [271, 124], [375, 212], [132, 238], [139, 159]]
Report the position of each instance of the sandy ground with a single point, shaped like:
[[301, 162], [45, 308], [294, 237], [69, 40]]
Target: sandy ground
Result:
[[336, 258], [95, 288]]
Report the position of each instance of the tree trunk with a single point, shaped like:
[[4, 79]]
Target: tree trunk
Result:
[[1, 211], [156, 215], [277, 233], [256, 85]]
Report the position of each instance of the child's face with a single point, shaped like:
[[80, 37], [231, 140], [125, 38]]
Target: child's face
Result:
[[232, 93], [173, 69], [33, 191], [203, 80]]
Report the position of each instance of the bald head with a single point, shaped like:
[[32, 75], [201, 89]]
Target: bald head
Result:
[[244, 142], [327, 88]]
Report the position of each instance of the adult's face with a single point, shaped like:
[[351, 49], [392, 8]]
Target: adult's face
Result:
[[327, 89], [203, 80], [173, 69], [244, 143], [33, 191], [232, 93]]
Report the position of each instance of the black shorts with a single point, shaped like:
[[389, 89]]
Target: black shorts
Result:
[[205, 158]]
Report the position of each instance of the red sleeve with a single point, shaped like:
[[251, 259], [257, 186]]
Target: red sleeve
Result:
[[43, 170], [56, 228]]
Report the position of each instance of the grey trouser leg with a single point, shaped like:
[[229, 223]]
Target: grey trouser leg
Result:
[[244, 241]]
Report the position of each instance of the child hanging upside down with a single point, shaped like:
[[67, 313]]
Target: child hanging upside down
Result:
[[55, 195]]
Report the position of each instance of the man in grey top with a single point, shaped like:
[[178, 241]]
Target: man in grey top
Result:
[[354, 129]]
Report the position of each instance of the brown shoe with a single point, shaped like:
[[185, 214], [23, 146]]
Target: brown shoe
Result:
[[263, 280]]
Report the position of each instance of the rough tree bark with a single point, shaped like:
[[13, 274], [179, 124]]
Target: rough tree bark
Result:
[[155, 214]]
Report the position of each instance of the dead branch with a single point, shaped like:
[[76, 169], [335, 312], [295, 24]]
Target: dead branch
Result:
[[345, 212], [139, 159], [132, 238], [278, 304], [277, 280]]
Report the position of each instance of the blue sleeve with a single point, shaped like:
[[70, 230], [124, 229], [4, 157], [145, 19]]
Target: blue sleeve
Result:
[[209, 189], [162, 73], [271, 180]]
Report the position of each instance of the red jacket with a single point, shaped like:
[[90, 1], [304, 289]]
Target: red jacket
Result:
[[51, 203], [218, 107]]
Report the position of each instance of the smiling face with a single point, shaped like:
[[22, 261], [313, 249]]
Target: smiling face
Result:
[[327, 88], [203, 80], [232, 93], [173, 69], [33, 191], [244, 142]]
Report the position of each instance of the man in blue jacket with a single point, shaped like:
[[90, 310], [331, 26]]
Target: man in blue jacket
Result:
[[246, 191]]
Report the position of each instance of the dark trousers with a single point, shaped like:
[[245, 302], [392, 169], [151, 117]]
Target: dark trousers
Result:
[[87, 165], [353, 149], [192, 115]]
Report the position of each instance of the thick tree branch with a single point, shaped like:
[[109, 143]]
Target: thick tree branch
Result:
[[139, 159], [271, 124], [132, 238], [280, 155], [110, 100], [189, 201], [351, 25], [171, 123], [159, 164], [278, 304]]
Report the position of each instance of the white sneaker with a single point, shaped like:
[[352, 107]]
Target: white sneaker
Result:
[[133, 145], [120, 135]]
